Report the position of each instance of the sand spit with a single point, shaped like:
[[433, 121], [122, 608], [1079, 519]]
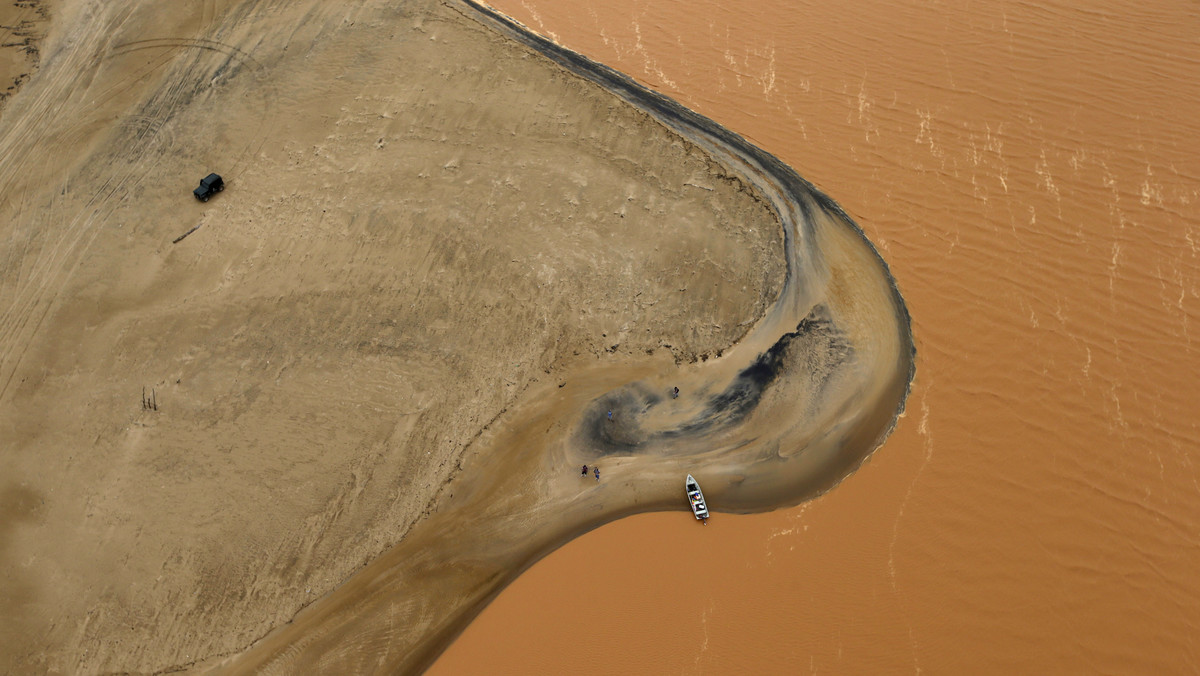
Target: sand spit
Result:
[[441, 259], [781, 416]]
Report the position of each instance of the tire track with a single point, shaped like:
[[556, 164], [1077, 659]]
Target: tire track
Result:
[[19, 140], [229, 50], [33, 294]]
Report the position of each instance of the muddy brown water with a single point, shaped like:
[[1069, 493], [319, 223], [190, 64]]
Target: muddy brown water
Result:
[[1030, 174]]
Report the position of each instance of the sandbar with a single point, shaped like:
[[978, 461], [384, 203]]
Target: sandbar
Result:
[[448, 249]]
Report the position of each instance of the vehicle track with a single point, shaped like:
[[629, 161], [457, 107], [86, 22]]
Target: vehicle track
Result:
[[51, 249], [231, 51]]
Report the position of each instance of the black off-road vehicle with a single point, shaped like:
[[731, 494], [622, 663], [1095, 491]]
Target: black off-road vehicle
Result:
[[209, 186]]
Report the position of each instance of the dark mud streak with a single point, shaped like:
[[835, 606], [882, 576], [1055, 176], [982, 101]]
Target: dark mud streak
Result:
[[622, 434]]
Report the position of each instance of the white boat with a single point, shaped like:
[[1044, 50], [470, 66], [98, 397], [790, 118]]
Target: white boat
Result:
[[696, 498]]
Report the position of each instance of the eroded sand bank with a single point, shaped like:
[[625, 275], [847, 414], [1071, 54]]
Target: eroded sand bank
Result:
[[440, 261]]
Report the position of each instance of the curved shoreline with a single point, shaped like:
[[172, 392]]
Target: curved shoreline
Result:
[[836, 416], [797, 203], [786, 191]]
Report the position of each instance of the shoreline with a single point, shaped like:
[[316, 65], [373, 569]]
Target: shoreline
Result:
[[682, 120], [809, 217], [404, 320]]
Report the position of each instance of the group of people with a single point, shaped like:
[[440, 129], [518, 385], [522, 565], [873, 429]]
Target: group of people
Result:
[[596, 470]]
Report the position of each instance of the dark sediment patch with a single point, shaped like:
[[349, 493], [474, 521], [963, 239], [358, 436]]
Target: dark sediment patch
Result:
[[618, 423]]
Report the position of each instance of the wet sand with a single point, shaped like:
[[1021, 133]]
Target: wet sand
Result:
[[1030, 174], [441, 258]]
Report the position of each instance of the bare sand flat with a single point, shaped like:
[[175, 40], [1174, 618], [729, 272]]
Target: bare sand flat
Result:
[[379, 357]]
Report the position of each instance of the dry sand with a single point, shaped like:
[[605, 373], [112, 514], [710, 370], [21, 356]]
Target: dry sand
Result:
[[390, 342]]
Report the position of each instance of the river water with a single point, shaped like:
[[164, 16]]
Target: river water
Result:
[[1031, 173]]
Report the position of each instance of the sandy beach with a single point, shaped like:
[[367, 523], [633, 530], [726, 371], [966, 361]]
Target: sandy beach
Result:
[[445, 253]]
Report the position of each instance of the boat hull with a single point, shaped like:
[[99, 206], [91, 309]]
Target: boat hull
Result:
[[696, 498]]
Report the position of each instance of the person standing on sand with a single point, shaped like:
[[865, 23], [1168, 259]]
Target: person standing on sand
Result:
[[597, 470], [585, 470], [675, 393]]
